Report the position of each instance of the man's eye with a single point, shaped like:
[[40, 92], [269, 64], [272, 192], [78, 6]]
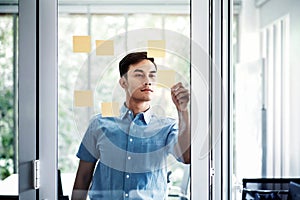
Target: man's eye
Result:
[[139, 75]]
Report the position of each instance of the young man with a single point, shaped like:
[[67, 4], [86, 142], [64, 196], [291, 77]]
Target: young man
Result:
[[131, 149]]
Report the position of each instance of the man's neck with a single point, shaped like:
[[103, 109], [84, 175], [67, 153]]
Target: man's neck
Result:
[[137, 107]]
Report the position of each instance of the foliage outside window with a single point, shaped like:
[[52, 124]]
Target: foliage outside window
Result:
[[8, 135]]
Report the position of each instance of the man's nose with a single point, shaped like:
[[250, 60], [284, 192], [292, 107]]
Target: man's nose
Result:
[[147, 81]]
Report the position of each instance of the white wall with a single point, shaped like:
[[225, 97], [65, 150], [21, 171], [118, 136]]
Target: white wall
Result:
[[252, 21], [248, 94], [249, 32], [271, 11]]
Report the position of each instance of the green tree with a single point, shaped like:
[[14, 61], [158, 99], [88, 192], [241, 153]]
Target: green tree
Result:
[[6, 97]]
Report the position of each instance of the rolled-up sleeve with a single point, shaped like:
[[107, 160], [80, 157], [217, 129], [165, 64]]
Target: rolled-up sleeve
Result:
[[84, 154]]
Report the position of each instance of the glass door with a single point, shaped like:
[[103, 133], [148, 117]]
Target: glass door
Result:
[[19, 100], [88, 71], [47, 96]]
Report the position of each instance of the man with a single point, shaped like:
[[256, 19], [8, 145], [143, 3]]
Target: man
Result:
[[131, 149]]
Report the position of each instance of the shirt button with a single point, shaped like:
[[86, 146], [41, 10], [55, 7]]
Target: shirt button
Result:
[[130, 139], [127, 176], [128, 157], [126, 195]]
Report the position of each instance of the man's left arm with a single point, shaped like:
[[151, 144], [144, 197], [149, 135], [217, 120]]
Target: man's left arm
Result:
[[181, 98]]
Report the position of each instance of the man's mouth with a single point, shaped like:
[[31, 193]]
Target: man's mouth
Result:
[[147, 90]]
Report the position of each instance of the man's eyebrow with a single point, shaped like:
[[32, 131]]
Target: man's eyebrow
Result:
[[138, 70], [142, 71]]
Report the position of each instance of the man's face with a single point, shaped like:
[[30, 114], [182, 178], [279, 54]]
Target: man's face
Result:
[[140, 80]]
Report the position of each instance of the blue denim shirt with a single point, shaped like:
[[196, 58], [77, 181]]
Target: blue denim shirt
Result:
[[131, 154]]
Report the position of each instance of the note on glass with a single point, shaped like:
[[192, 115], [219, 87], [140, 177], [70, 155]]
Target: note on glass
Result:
[[156, 48], [104, 47], [81, 44], [110, 109], [166, 78], [83, 98]]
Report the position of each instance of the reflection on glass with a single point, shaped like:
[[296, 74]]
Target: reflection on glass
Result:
[[103, 26], [265, 35], [8, 105]]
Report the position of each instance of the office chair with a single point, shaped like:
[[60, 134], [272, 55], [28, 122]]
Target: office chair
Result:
[[267, 186], [294, 191], [60, 194]]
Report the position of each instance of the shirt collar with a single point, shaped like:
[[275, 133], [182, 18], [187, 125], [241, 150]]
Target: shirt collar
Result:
[[124, 111]]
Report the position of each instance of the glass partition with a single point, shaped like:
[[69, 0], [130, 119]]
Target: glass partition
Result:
[[129, 26]]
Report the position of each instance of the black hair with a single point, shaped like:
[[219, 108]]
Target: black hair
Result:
[[131, 59]]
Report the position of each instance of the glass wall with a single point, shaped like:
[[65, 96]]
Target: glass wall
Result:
[[78, 71]]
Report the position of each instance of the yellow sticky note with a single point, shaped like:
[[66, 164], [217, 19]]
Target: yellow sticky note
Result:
[[105, 47], [110, 109], [156, 48], [81, 44], [83, 98], [166, 78]]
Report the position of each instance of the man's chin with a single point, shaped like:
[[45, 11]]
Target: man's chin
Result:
[[147, 99], [144, 98]]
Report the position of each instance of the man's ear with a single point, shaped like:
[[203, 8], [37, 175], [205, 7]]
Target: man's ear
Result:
[[123, 82]]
